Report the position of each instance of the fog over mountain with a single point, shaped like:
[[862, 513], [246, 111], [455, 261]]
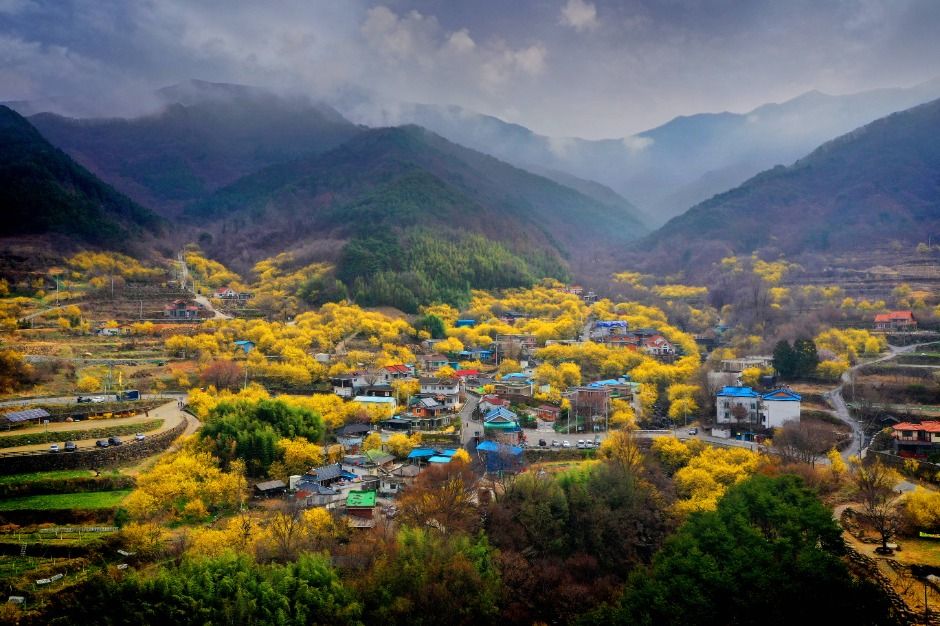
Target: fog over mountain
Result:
[[667, 169]]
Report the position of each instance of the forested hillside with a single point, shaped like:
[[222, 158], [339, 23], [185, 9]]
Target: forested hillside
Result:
[[208, 136], [42, 191], [877, 184], [406, 212]]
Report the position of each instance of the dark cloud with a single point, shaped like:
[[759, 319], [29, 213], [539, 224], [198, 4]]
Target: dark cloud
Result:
[[564, 67]]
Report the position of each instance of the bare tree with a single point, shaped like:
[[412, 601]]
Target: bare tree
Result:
[[222, 374], [875, 484], [804, 442]]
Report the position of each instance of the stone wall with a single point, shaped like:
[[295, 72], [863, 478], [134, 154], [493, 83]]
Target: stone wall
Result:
[[129, 452], [864, 565]]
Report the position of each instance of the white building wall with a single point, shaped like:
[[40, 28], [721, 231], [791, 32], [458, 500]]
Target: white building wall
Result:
[[777, 412]]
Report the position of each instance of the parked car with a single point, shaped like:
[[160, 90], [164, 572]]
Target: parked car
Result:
[[102, 443], [96, 399], [70, 446], [54, 447], [81, 399], [140, 436], [693, 431], [115, 441], [542, 443], [565, 444], [555, 443], [580, 444], [588, 445]]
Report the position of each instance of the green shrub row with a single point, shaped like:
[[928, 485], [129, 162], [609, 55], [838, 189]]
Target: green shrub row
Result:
[[68, 485]]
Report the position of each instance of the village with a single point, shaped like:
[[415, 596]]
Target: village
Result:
[[537, 381]]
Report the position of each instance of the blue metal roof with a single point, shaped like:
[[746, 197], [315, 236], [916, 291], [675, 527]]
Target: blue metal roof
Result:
[[420, 453], [499, 411], [439, 459], [739, 392], [782, 395], [492, 446], [515, 375]]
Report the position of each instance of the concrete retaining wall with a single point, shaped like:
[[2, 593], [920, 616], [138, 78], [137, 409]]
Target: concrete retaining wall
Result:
[[124, 454]]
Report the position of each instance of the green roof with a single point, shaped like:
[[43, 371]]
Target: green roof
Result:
[[360, 499]]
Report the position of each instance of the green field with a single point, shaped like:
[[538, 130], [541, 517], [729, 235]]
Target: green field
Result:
[[32, 477], [88, 500]]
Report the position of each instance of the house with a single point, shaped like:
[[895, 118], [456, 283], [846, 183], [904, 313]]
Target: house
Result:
[[895, 320], [779, 406], [491, 401], [606, 328], [270, 488], [740, 364], [397, 372], [349, 385], [657, 346], [229, 293], [548, 413], [916, 440], [326, 476], [360, 509], [728, 398], [429, 363], [464, 323], [379, 458], [310, 494], [500, 457], [182, 310], [444, 390], [767, 411], [463, 375], [407, 473], [378, 391], [502, 424]]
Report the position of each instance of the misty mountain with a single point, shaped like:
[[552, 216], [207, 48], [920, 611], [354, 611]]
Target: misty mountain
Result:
[[371, 203], [669, 168], [877, 184], [43, 191], [206, 136]]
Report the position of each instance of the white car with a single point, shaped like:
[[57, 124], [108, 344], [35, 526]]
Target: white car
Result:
[[54, 447], [139, 436], [565, 444], [580, 444], [97, 399]]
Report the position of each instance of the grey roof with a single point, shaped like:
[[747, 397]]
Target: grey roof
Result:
[[354, 429], [315, 488], [28, 414], [327, 472], [270, 484], [407, 471]]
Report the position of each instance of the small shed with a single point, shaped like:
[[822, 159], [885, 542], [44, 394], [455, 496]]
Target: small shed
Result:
[[19, 418], [270, 488], [360, 509]]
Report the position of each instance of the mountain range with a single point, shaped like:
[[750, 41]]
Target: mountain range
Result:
[[875, 185], [667, 169], [44, 192]]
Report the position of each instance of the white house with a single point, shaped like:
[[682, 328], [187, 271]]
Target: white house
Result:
[[446, 390], [780, 405], [769, 410], [389, 404]]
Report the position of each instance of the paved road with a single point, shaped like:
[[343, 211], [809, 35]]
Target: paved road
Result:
[[169, 413], [467, 425], [216, 314], [71, 399], [841, 410]]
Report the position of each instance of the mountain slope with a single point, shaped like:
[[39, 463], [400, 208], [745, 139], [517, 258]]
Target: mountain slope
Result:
[[877, 184], [43, 191], [667, 169], [206, 137], [393, 190]]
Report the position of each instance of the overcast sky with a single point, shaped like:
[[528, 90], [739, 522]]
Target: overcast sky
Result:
[[590, 68]]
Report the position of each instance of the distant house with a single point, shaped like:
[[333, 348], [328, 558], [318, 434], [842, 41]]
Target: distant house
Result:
[[500, 457], [360, 509], [182, 310], [429, 363], [895, 320], [740, 364], [548, 413], [444, 390], [19, 418], [657, 345], [491, 401], [397, 372], [270, 488], [379, 391], [502, 424], [229, 293], [916, 440], [767, 411]]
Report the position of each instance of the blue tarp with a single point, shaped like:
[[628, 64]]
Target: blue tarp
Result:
[[420, 453]]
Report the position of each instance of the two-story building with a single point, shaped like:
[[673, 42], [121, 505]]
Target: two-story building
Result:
[[916, 440], [429, 363], [895, 320], [444, 390], [744, 406]]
